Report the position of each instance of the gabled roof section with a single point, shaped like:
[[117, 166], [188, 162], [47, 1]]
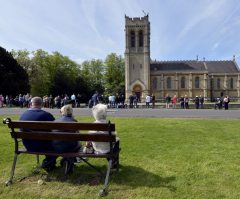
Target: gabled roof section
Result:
[[181, 66], [222, 67], [195, 66]]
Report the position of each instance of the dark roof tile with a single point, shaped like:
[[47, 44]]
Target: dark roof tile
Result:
[[195, 66], [222, 67]]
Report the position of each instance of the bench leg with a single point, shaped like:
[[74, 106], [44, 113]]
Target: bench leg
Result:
[[103, 191], [38, 160], [7, 183], [117, 162], [92, 166]]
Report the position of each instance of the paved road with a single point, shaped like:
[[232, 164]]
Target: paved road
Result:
[[161, 113]]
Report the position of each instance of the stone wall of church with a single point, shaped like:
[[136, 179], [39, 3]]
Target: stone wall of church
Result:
[[195, 84], [136, 68]]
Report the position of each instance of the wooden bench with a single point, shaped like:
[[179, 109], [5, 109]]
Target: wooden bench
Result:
[[43, 131]]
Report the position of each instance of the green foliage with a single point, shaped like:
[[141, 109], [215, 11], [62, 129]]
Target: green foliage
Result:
[[114, 74], [13, 78], [63, 74], [92, 72], [49, 73], [160, 158], [57, 74]]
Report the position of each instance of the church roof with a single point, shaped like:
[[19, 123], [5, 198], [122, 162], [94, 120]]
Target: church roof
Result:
[[194, 66], [222, 67]]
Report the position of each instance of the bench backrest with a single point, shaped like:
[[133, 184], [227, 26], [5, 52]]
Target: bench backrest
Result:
[[45, 130]]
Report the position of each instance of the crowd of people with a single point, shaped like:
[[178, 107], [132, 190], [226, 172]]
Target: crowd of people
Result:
[[112, 101], [222, 102], [184, 102], [48, 100], [35, 113]]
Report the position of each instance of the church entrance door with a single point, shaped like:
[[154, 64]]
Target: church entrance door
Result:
[[137, 90]]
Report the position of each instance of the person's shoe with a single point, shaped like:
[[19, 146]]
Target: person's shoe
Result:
[[67, 166], [49, 168], [48, 165]]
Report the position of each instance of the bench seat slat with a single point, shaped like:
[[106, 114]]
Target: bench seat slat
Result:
[[69, 126], [67, 155], [96, 137]]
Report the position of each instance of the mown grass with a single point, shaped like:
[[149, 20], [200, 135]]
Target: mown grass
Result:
[[160, 158]]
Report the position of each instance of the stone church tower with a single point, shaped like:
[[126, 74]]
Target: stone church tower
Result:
[[192, 78], [137, 57]]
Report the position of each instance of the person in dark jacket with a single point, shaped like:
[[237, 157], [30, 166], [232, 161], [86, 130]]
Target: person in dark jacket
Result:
[[35, 113], [61, 146], [201, 100], [197, 102]]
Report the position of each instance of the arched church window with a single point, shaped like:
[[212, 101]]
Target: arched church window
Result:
[[154, 82], [169, 82], [183, 80], [197, 82], [132, 38], [231, 83], [218, 83], [140, 36]]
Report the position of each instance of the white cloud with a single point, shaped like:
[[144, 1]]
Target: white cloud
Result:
[[205, 14], [215, 46], [93, 28]]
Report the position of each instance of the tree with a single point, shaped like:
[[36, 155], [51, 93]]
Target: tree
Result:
[[114, 75], [57, 74], [46, 71], [92, 72], [13, 78], [63, 74], [34, 64]]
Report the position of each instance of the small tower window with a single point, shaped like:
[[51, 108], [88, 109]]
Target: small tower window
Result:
[[132, 39], [218, 83], [197, 82], [183, 82], [140, 36], [169, 82], [154, 83], [231, 83]]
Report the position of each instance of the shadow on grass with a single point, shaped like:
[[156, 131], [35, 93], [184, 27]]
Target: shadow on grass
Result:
[[127, 176], [134, 177]]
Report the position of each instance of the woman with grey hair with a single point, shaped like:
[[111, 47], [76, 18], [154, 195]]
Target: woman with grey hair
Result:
[[100, 115], [62, 146]]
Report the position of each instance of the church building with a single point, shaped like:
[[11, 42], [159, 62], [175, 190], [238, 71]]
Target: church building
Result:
[[144, 76]]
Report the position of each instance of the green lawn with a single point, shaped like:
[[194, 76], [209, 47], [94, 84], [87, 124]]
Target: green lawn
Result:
[[160, 158]]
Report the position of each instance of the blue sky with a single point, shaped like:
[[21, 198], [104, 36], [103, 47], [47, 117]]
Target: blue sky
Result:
[[92, 29]]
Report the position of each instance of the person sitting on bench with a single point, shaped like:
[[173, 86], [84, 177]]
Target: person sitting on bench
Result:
[[100, 114], [35, 113], [61, 146]]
